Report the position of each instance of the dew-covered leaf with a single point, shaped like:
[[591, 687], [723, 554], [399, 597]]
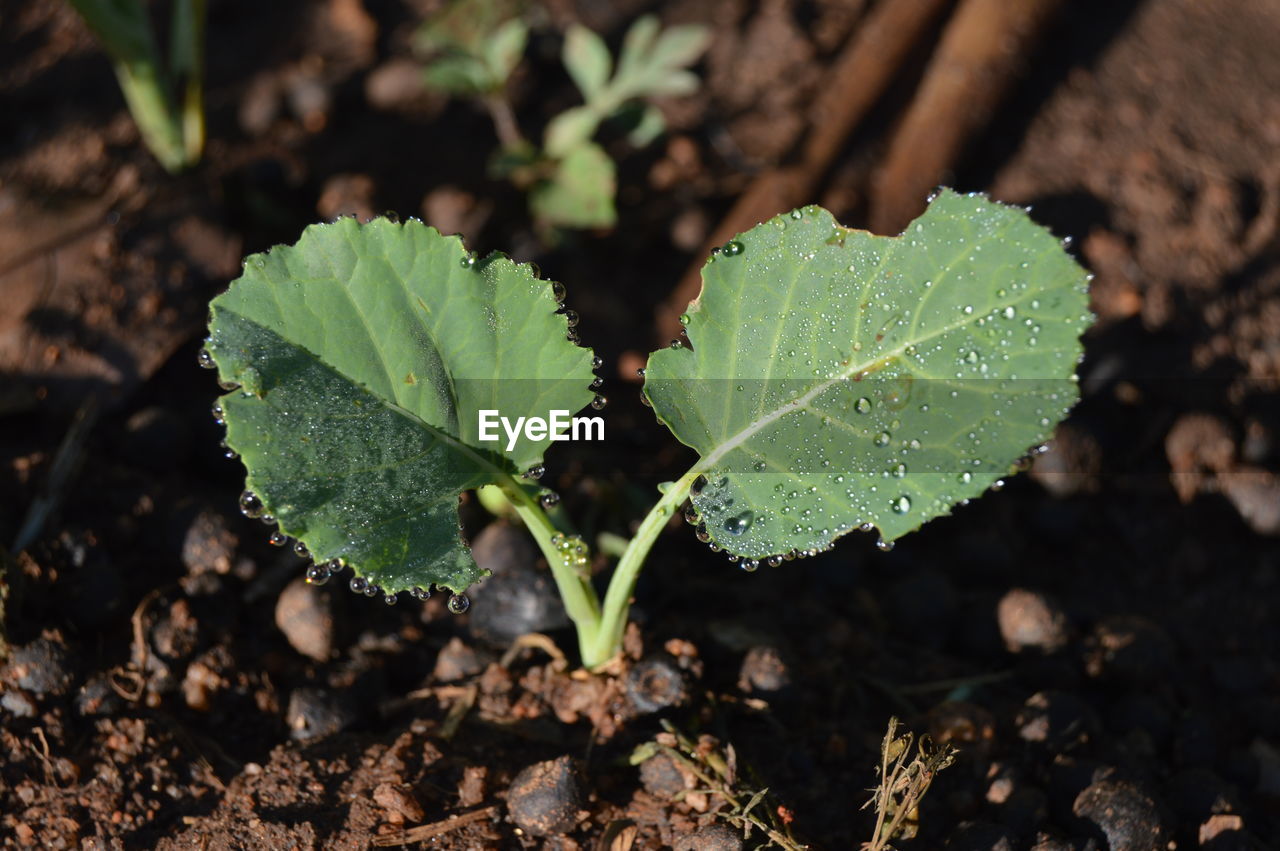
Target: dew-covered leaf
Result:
[[364, 354], [839, 379]]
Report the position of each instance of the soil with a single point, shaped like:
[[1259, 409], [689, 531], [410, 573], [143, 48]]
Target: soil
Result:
[[1099, 639]]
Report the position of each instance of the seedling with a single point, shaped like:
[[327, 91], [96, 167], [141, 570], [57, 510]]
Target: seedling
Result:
[[167, 103], [837, 381], [475, 45]]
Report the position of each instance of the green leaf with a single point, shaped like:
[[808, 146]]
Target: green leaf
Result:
[[636, 44], [504, 49], [458, 74], [569, 130], [580, 193], [839, 378], [364, 355], [680, 46], [649, 125], [587, 59]]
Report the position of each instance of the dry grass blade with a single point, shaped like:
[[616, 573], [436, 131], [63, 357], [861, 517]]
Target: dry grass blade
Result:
[[904, 780]]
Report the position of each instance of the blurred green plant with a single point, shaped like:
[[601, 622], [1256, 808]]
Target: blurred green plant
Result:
[[474, 46], [167, 102]]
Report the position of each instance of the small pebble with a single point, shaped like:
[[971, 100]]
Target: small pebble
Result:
[[655, 684], [457, 661], [1031, 621], [1256, 495], [518, 598], [314, 713], [545, 798], [662, 777], [763, 670], [208, 545], [710, 837], [97, 697], [1217, 833], [399, 802], [1121, 814], [305, 614]]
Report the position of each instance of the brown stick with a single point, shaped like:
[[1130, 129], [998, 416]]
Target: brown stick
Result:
[[423, 832], [864, 70], [982, 49]]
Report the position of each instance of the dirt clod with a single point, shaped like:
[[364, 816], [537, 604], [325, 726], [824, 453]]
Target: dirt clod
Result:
[[1121, 814], [42, 667], [710, 837], [315, 713], [655, 684], [545, 798]]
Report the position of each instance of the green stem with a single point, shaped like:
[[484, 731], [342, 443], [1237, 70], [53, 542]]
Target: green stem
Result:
[[580, 600], [607, 640], [152, 112]]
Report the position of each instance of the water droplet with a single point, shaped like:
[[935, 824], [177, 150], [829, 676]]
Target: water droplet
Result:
[[372, 590], [1009, 312], [966, 477], [597, 384], [558, 292], [534, 472], [684, 319], [599, 402], [458, 603], [795, 214], [901, 505], [866, 527], [300, 550], [698, 485], [773, 561], [732, 249], [420, 593], [968, 309], [205, 359], [701, 533], [899, 470], [691, 515], [358, 584], [317, 575], [468, 261], [571, 318], [741, 523], [998, 484], [863, 405], [971, 356], [884, 546], [883, 438], [390, 599], [597, 362], [250, 504], [549, 499], [278, 539], [218, 413], [750, 565]]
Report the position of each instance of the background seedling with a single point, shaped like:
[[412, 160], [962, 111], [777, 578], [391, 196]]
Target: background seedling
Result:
[[166, 100], [474, 46], [905, 777], [837, 381]]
